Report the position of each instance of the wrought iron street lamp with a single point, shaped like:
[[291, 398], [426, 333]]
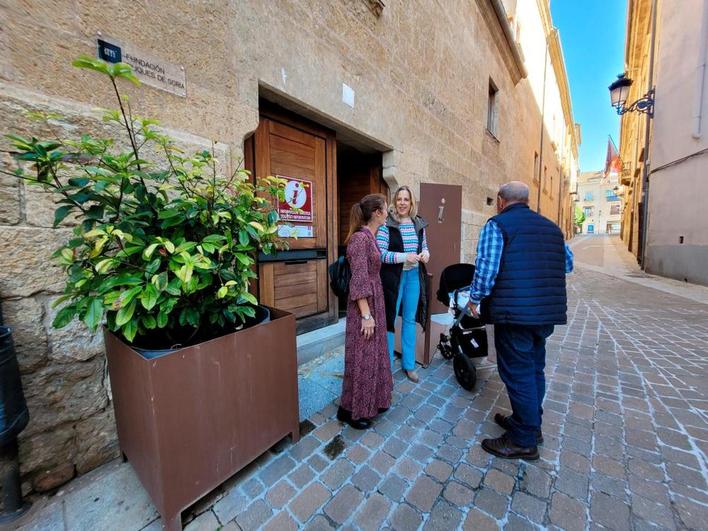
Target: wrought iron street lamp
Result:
[[619, 91]]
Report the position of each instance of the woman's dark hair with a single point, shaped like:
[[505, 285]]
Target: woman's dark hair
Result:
[[363, 210]]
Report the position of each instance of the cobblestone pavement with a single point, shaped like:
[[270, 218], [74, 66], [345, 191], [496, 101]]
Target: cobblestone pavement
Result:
[[625, 428]]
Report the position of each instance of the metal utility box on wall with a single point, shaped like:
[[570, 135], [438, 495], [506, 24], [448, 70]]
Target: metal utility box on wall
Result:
[[441, 206]]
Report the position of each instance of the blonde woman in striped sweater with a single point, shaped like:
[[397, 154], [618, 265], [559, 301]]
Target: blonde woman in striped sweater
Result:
[[404, 253]]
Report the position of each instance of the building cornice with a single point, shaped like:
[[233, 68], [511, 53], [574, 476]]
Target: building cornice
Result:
[[544, 9], [558, 61], [496, 18], [637, 43]]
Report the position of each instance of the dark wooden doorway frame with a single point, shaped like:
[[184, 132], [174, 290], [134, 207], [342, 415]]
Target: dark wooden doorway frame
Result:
[[358, 174], [280, 115], [275, 106]]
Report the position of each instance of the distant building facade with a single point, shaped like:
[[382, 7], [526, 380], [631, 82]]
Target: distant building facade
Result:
[[598, 200]]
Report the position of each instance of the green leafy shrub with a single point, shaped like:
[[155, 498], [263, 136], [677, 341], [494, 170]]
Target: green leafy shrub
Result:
[[579, 217], [164, 250]]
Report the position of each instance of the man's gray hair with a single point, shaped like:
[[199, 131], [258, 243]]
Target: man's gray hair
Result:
[[514, 191]]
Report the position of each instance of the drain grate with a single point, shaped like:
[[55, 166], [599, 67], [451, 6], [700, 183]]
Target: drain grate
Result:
[[306, 427], [335, 447]]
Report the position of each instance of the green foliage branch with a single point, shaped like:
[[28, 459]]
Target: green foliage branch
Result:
[[164, 251], [579, 216]]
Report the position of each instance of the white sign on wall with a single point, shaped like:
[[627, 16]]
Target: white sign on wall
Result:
[[148, 69], [295, 231]]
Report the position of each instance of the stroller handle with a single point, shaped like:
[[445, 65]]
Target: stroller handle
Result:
[[463, 312]]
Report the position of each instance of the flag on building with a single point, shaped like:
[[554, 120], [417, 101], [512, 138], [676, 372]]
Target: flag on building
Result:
[[613, 165]]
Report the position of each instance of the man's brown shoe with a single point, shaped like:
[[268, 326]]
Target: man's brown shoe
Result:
[[503, 421], [504, 448]]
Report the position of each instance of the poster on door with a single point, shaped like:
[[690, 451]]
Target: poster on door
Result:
[[298, 200]]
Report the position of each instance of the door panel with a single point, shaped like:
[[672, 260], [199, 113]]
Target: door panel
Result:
[[322, 287], [359, 174], [295, 287], [302, 155], [290, 157], [291, 133], [441, 206], [286, 149], [265, 285]]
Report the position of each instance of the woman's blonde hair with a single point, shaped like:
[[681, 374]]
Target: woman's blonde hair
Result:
[[392, 207]]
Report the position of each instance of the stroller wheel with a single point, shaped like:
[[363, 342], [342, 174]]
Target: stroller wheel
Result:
[[465, 371], [447, 352], [445, 348]]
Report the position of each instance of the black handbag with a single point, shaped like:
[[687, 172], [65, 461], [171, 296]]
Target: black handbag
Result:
[[339, 275]]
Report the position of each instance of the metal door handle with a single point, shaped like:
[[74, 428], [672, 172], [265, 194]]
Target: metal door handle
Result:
[[441, 210]]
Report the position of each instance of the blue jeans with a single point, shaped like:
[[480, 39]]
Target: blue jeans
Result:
[[408, 295], [521, 359]]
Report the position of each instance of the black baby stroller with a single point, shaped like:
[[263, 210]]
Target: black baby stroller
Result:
[[467, 337]]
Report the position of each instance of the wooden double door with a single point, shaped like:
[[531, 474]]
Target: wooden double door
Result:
[[295, 279], [323, 188]]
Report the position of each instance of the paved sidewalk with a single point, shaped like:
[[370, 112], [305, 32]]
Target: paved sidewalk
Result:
[[625, 427], [609, 255]]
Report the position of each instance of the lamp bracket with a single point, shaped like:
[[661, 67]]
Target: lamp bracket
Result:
[[644, 104]]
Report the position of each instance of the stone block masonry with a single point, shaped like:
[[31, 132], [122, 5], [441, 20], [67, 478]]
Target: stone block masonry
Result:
[[72, 427]]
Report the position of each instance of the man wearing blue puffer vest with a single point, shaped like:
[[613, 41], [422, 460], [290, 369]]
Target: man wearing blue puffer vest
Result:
[[519, 286]]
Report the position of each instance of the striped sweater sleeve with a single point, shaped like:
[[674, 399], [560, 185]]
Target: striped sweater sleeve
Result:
[[387, 257], [424, 247]]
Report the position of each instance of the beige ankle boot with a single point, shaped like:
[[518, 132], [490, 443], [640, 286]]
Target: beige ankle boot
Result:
[[412, 376]]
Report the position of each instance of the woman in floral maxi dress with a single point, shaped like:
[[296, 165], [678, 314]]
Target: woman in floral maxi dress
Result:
[[368, 384]]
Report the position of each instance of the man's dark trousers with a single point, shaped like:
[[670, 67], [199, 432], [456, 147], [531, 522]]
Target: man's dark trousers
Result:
[[521, 359]]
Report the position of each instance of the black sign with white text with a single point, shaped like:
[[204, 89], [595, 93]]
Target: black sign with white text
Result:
[[110, 53]]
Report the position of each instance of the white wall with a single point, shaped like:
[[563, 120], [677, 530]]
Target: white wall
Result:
[[676, 69], [678, 192], [532, 39]]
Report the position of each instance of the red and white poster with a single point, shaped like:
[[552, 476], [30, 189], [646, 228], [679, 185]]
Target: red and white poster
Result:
[[298, 200]]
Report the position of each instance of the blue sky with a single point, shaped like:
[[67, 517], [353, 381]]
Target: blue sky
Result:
[[592, 33]]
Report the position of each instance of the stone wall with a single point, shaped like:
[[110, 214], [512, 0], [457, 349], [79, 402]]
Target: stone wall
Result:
[[72, 428], [420, 73]]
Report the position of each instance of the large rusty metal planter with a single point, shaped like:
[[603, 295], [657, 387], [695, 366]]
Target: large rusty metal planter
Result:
[[189, 420]]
